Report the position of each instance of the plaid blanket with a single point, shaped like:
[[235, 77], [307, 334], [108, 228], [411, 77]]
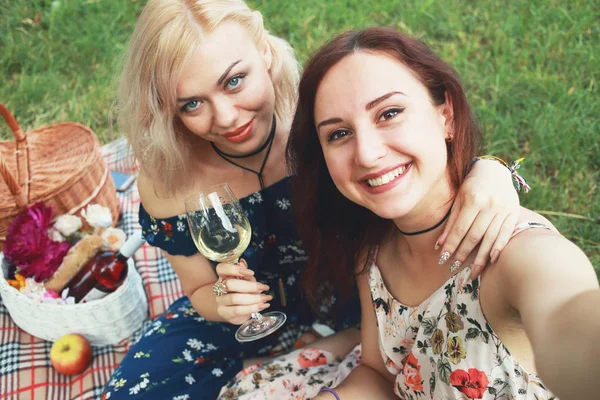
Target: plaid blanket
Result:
[[25, 369]]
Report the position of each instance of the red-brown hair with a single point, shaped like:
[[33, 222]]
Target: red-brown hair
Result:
[[337, 232]]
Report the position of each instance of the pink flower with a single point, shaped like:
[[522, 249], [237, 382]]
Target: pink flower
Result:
[[29, 247]]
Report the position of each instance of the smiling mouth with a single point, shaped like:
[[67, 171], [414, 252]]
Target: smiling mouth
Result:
[[388, 176]]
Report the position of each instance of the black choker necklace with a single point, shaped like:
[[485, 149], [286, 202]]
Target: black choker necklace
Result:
[[428, 229], [268, 143]]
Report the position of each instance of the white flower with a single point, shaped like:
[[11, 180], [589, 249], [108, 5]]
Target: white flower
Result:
[[284, 204], [144, 383], [113, 239], [55, 235], [190, 379], [188, 355], [68, 224], [134, 390], [139, 354], [291, 279], [107, 395], [217, 372], [180, 226], [210, 347], [182, 397], [195, 344], [97, 216], [255, 198]]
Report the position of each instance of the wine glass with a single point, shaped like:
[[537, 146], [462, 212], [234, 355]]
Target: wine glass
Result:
[[221, 231]]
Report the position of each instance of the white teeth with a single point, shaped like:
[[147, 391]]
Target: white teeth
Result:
[[386, 178]]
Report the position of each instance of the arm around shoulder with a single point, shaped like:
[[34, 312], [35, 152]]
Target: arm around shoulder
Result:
[[553, 286]]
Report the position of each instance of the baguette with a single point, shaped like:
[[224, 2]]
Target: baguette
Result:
[[76, 258]]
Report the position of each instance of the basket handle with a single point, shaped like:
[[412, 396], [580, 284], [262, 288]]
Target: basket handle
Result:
[[12, 184], [12, 123]]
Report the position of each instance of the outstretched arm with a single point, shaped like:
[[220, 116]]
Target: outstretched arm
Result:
[[485, 212], [553, 286]]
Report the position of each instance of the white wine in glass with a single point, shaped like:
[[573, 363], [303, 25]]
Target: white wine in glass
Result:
[[221, 231]]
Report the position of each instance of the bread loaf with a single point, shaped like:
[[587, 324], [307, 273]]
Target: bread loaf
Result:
[[75, 259]]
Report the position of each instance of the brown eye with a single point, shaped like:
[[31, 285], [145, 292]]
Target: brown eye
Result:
[[390, 113], [336, 135]]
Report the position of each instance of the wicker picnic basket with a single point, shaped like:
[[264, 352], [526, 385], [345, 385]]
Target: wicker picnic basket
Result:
[[59, 164], [108, 320]]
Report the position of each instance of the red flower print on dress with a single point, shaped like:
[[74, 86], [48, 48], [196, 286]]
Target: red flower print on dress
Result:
[[473, 383], [291, 386], [200, 360], [311, 358], [412, 373]]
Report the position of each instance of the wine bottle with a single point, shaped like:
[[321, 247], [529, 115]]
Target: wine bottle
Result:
[[104, 273]]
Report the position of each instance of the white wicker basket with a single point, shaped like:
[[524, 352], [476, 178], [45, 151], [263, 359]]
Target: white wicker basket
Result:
[[105, 321]]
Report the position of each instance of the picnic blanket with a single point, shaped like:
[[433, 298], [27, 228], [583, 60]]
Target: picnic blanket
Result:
[[25, 369]]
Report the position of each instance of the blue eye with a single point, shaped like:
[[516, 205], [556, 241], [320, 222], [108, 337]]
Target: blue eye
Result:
[[190, 106], [390, 113], [336, 135], [234, 82]]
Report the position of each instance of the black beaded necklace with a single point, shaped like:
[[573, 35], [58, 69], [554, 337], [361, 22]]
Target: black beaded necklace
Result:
[[267, 144], [428, 229]]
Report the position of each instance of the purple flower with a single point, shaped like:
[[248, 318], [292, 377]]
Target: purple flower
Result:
[[29, 247]]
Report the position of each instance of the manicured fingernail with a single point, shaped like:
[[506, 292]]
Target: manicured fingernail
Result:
[[263, 306], [266, 297], [444, 257], [455, 266], [494, 256], [437, 246], [263, 287], [246, 271]]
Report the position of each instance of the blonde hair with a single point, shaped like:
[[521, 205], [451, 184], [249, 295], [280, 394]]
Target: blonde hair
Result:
[[165, 37]]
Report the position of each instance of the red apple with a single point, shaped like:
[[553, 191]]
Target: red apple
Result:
[[71, 354]]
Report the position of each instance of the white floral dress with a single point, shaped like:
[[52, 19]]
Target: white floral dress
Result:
[[298, 375], [445, 348]]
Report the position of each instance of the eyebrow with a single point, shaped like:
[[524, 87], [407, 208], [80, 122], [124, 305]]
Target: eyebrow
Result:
[[224, 75], [221, 79], [369, 106], [378, 100]]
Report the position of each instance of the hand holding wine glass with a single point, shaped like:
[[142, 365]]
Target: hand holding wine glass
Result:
[[221, 231], [244, 294]]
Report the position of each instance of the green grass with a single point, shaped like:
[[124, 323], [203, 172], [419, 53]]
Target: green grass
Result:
[[530, 68]]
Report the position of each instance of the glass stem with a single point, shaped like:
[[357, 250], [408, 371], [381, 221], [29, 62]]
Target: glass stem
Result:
[[256, 317]]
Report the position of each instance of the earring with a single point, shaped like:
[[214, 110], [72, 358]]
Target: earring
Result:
[[449, 139]]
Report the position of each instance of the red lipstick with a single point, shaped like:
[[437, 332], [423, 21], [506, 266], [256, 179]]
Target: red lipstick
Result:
[[240, 134]]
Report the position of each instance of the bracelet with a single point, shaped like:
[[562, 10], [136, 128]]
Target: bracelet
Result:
[[326, 389], [520, 182]]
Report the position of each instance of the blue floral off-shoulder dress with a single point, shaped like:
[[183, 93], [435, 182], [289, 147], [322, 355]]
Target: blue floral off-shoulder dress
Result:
[[183, 356]]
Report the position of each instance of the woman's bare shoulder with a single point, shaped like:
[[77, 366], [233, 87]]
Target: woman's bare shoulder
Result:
[[157, 201], [538, 249], [531, 216]]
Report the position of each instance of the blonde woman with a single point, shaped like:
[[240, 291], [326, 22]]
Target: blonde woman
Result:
[[206, 97]]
